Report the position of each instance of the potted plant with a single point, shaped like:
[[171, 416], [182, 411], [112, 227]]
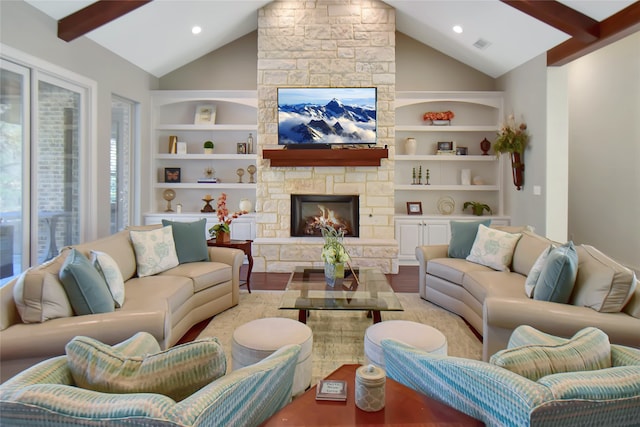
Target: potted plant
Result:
[[222, 230], [208, 147], [477, 208], [334, 254], [513, 139]]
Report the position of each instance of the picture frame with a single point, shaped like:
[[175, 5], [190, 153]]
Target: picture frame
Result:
[[172, 175], [414, 208], [461, 151], [242, 148], [205, 114], [445, 145]]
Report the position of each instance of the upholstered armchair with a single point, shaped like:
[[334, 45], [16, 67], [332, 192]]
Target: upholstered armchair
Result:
[[46, 394], [581, 381]]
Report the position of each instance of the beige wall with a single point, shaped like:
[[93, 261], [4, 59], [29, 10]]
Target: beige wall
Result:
[[604, 150], [420, 67], [232, 67]]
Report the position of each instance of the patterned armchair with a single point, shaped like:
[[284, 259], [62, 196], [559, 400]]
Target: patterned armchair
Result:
[[46, 394], [498, 396]]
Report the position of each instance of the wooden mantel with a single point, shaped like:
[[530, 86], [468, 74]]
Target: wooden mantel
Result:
[[335, 157]]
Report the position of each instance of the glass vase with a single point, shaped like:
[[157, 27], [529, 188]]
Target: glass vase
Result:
[[333, 273]]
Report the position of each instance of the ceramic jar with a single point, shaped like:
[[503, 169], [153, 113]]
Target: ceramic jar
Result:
[[370, 388], [410, 146], [245, 205]]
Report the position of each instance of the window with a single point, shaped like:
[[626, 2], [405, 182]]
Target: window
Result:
[[45, 179], [122, 136]]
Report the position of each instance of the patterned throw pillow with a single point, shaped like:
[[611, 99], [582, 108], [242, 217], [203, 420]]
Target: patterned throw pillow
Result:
[[589, 349], [493, 248], [534, 273], [109, 269], [155, 250], [177, 372]]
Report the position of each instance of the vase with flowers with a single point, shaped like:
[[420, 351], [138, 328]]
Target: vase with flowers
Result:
[[334, 254], [438, 117], [513, 139], [222, 231]]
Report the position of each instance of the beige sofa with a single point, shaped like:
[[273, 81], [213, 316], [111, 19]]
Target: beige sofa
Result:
[[166, 305], [495, 303]]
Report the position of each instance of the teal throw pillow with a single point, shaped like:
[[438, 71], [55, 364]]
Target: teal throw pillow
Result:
[[86, 288], [190, 240], [558, 275], [463, 234]]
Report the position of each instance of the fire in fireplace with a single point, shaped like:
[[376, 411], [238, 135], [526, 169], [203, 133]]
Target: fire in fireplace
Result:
[[310, 211]]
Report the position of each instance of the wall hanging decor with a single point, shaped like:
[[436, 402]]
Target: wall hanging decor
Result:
[[513, 139]]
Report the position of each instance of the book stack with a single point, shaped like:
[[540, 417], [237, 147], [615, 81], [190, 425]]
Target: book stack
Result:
[[207, 180], [331, 390], [446, 152]]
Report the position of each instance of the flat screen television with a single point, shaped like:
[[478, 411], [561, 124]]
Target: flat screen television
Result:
[[326, 116]]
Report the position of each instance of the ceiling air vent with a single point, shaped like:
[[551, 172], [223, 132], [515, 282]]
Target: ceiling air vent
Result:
[[482, 44]]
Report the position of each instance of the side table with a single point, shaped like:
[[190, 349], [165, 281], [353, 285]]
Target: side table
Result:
[[403, 406], [244, 246]]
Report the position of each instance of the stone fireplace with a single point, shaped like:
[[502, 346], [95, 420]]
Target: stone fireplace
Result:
[[325, 43], [309, 212]]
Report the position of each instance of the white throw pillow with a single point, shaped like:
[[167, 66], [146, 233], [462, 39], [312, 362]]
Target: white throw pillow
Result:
[[109, 269], [493, 248], [39, 296], [534, 273], [155, 250]]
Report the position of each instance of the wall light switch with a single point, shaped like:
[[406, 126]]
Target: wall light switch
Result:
[[537, 190]]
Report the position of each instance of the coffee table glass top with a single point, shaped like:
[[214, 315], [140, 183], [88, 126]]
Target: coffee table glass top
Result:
[[307, 290]]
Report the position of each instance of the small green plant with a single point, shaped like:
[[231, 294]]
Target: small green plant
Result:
[[208, 144], [477, 207]]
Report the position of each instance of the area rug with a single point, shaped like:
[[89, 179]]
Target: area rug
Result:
[[338, 336]]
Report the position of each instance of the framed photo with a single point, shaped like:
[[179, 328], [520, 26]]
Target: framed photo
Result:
[[445, 145], [205, 114], [461, 151], [242, 148], [171, 174], [414, 208]]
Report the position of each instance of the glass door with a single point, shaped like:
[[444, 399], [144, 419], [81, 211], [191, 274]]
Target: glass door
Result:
[[14, 177]]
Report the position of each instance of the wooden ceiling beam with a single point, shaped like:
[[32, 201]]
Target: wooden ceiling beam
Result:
[[612, 29], [559, 16], [95, 15]]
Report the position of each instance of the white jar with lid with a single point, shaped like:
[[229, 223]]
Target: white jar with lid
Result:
[[370, 388]]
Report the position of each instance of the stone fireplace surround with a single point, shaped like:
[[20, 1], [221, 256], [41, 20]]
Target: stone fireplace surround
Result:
[[336, 43]]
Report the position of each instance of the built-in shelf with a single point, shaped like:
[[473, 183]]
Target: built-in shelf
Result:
[[424, 187], [444, 158], [206, 156], [196, 185], [324, 157]]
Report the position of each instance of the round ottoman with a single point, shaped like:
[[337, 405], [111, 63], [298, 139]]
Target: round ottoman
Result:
[[257, 339], [414, 334]]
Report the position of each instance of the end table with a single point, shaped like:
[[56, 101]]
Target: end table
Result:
[[244, 246]]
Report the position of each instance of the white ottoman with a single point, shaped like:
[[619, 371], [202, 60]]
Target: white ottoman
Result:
[[414, 334], [257, 339]]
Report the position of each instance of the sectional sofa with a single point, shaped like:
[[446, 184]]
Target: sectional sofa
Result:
[[166, 304], [494, 302]]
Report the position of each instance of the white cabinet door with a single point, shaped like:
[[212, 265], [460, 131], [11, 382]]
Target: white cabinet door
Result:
[[243, 228], [409, 234], [436, 232]]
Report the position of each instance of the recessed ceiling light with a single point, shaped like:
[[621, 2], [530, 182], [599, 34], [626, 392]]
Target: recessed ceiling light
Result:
[[457, 29], [196, 30]]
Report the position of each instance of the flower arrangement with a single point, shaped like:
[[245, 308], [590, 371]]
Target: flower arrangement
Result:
[[333, 251], [511, 138], [438, 115], [224, 217]]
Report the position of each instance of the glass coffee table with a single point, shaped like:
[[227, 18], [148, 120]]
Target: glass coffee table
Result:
[[364, 288]]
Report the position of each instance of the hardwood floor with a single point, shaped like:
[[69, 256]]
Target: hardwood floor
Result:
[[405, 281]]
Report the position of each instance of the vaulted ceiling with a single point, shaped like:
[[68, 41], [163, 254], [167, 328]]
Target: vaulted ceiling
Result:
[[498, 35]]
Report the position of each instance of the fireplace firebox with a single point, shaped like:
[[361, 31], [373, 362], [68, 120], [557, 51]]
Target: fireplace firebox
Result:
[[310, 211]]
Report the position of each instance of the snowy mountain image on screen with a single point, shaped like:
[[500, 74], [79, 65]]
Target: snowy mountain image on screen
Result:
[[327, 116]]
